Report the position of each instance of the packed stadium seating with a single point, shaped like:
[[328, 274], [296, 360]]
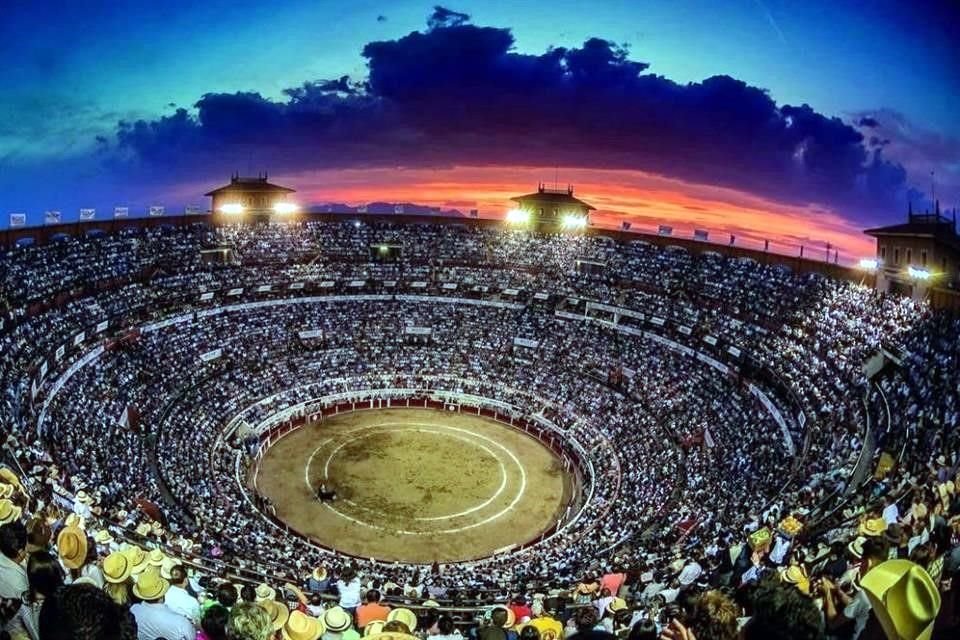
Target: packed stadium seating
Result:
[[732, 429]]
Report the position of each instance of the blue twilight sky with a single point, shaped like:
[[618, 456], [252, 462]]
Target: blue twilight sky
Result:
[[72, 70]]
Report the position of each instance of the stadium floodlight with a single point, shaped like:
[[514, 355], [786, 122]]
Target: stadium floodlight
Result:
[[870, 264], [518, 216], [571, 221], [285, 207], [232, 208], [918, 274]]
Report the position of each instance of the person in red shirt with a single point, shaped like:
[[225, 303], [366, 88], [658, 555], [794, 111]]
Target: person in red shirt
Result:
[[613, 581], [520, 608]]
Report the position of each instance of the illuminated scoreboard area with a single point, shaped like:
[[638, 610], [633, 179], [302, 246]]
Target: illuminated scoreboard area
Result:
[[251, 199], [550, 210]]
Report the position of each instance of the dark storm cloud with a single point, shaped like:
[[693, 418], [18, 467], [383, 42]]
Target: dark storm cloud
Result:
[[458, 93]]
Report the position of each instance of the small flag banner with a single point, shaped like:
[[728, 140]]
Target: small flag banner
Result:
[[88, 214], [700, 234], [156, 211], [52, 217], [18, 219], [664, 230], [625, 225], [121, 212], [192, 210], [474, 213]]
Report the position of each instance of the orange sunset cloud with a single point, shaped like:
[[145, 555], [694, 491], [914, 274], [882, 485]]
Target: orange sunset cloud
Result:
[[645, 200]]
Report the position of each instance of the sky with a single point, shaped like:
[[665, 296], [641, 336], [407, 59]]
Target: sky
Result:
[[802, 123]]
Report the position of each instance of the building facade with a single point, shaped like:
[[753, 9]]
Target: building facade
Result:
[[248, 198], [552, 209], [919, 255]]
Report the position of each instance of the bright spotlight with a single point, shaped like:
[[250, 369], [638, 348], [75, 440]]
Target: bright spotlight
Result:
[[918, 274], [232, 208], [571, 221], [518, 216], [384, 248], [356, 223], [870, 264], [285, 207]]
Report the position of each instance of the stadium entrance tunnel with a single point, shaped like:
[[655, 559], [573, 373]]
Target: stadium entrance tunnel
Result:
[[415, 479]]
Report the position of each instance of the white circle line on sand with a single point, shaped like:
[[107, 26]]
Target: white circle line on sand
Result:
[[503, 471], [499, 514]]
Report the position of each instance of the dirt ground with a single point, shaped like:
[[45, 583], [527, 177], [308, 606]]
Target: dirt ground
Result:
[[415, 485]]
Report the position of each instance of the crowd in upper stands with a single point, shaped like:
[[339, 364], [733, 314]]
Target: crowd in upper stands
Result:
[[712, 515]]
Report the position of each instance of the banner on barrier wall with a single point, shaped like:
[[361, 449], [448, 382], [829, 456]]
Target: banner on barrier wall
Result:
[[121, 212], [18, 219], [156, 211], [60, 352], [102, 326], [88, 214], [211, 355]]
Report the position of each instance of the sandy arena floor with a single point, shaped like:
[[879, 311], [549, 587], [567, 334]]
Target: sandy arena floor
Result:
[[415, 485]]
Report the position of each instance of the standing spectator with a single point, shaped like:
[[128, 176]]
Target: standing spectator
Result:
[[154, 618]]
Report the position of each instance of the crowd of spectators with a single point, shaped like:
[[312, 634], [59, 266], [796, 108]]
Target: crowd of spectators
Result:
[[713, 512]]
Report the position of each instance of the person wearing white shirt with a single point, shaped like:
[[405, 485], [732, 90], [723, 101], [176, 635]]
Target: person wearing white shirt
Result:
[[890, 511], [179, 599], [13, 575]]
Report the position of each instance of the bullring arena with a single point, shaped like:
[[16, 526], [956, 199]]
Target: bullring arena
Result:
[[415, 485], [495, 419]]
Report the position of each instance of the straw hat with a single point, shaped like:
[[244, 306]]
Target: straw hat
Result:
[[617, 604], [9, 512], [168, 564], [335, 619], [73, 520], [904, 599], [797, 576], [150, 586], [6, 490], [72, 547], [137, 558], [373, 627], [265, 592], [116, 567], [300, 626], [391, 635], [155, 557], [319, 574], [102, 537], [872, 527], [278, 613], [855, 547], [83, 497], [404, 615], [9, 476]]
